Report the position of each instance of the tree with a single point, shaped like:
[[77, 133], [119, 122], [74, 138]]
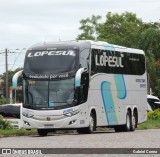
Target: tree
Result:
[[117, 29], [10, 76], [90, 28], [149, 42], [127, 30], [121, 29]]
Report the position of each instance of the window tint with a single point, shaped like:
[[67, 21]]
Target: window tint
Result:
[[105, 61]]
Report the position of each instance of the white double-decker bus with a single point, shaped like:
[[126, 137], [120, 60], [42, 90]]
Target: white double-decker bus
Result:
[[83, 85]]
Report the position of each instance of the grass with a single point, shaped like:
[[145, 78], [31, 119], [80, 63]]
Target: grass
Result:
[[17, 132], [150, 124], [153, 121]]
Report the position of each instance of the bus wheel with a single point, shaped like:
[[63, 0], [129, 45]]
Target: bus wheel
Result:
[[133, 122], [92, 123], [127, 126], [91, 127], [42, 132]]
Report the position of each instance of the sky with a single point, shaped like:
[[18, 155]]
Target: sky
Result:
[[26, 22]]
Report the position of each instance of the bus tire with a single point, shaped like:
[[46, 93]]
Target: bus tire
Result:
[[127, 126], [133, 122], [42, 132], [92, 124], [91, 127], [119, 128], [81, 130]]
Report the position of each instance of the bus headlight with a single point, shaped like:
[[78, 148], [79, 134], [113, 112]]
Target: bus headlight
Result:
[[69, 114], [27, 114]]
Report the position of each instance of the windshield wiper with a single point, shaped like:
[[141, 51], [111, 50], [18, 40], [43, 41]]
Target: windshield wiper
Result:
[[70, 104], [28, 106]]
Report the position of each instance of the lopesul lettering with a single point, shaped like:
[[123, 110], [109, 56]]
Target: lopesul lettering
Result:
[[111, 61], [51, 53]]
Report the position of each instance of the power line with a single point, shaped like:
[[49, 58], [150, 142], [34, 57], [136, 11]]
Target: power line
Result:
[[17, 58], [10, 64], [13, 52]]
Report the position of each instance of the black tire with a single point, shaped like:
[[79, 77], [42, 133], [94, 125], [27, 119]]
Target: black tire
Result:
[[127, 126], [133, 122], [119, 128], [91, 127], [81, 130], [42, 132]]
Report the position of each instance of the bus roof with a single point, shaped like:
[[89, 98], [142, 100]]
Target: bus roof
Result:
[[71, 43], [115, 47], [86, 43]]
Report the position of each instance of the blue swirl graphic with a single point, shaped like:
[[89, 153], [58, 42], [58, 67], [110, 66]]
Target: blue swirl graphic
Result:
[[107, 97]]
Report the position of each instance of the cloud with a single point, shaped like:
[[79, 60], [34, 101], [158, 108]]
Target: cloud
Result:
[[34, 20], [25, 22]]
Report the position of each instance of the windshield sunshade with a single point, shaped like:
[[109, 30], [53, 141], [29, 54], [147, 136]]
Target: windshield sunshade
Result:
[[50, 64]]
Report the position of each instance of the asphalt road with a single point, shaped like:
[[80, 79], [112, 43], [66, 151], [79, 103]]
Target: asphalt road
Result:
[[102, 139]]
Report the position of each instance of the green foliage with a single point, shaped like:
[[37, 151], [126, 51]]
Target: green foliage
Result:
[[10, 76], [151, 69], [153, 120], [150, 124], [17, 132], [154, 114], [117, 29], [2, 101], [122, 29], [90, 27], [4, 124], [158, 86]]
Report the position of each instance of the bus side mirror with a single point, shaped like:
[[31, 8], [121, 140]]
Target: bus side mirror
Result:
[[15, 78], [14, 82], [81, 86], [78, 77]]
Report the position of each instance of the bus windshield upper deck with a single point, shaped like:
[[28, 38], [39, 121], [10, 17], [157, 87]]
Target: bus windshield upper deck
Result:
[[50, 64]]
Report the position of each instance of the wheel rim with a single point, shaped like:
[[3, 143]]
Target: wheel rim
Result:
[[128, 122], [133, 122], [91, 123]]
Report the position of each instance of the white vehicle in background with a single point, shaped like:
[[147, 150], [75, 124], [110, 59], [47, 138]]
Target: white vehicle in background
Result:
[[12, 113], [153, 102]]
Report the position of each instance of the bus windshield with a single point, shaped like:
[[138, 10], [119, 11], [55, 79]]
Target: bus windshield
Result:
[[56, 94]]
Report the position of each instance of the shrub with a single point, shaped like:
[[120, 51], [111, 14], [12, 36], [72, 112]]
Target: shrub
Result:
[[154, 114], [4, 124], [2, 101]]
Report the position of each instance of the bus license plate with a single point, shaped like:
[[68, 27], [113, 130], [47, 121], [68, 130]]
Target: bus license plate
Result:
[[48, 125]]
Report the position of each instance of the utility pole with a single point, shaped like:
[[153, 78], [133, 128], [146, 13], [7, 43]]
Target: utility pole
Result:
[[6, 58], [6, 70]]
